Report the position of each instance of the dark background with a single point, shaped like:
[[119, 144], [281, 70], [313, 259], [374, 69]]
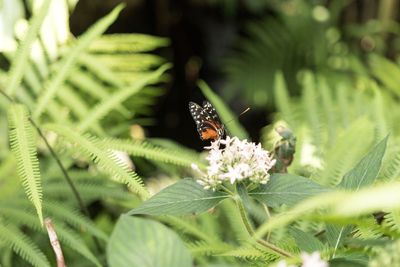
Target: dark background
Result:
[[202, 34]]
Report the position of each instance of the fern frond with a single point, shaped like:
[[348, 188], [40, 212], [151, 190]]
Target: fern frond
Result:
[[90, 85], [368, 229], [64, 213], [89, 191], [310, 105], [339, 158], [386, 71], [206, 249], [344, 104], [391, 166], [139, 148], [70, 238], [100, 71], [128, 43], [22, 245], [210, 224], [249, 253], [23, 145], [392, 221], [130, 62], [186, 227], [175, 146], [282, 99], [22, 55], [74, 241], [328, 109], [77, 105], [378, 113], [89, 146], [32, 81], [101, 109], [70, 58], [231, 213]]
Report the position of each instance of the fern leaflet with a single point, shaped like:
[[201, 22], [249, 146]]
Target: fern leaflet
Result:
[[89, 145], [23, 145], [138, 148], [70, 58], [22, 245], [19, 65]]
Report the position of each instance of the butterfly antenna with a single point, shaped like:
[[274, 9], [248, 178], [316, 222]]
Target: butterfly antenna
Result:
[[243, 112]]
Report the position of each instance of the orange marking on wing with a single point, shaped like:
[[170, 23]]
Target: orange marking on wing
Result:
[[209, 134]]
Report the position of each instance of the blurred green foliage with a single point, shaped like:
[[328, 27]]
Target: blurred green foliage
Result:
[[72, 144]]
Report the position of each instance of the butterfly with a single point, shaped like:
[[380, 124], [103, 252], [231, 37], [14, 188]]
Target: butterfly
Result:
[[207, 121]]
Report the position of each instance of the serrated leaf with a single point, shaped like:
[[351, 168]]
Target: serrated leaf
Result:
[[23, 145], [142, 242], [366, 171], [286, 189], [183, 197]]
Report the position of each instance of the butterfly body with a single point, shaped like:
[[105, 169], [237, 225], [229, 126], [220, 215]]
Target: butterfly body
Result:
[[208, 124]]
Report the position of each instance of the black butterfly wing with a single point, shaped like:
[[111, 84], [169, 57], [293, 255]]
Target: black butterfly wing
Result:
[[198, 113], [211, 111], [206, 126]]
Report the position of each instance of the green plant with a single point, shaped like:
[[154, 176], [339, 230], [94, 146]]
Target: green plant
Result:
[[297, 35], [73, 83], [335, 200]]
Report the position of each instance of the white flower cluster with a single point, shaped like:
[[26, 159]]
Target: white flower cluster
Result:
[[309, 260], [237, 161]]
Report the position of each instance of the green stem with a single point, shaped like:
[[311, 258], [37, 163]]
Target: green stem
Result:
[[244, 217], [269, 216], [250, 230], [227, 190]]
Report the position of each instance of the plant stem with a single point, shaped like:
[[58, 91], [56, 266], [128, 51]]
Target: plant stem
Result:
[[250, 230], [244, 217], [268, 215], [227, 190]]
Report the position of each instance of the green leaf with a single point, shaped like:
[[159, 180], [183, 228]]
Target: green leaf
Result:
[[227, 116], [335, 234], [363, 174], [146, 243], [19, 62], [183, 197], [350, 260], [23, 145], [366, 171], [70, 58], [286, 189], [306, 242], [339, 205]]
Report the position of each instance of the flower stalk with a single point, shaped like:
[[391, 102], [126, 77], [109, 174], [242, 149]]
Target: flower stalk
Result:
[[251, 232]]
